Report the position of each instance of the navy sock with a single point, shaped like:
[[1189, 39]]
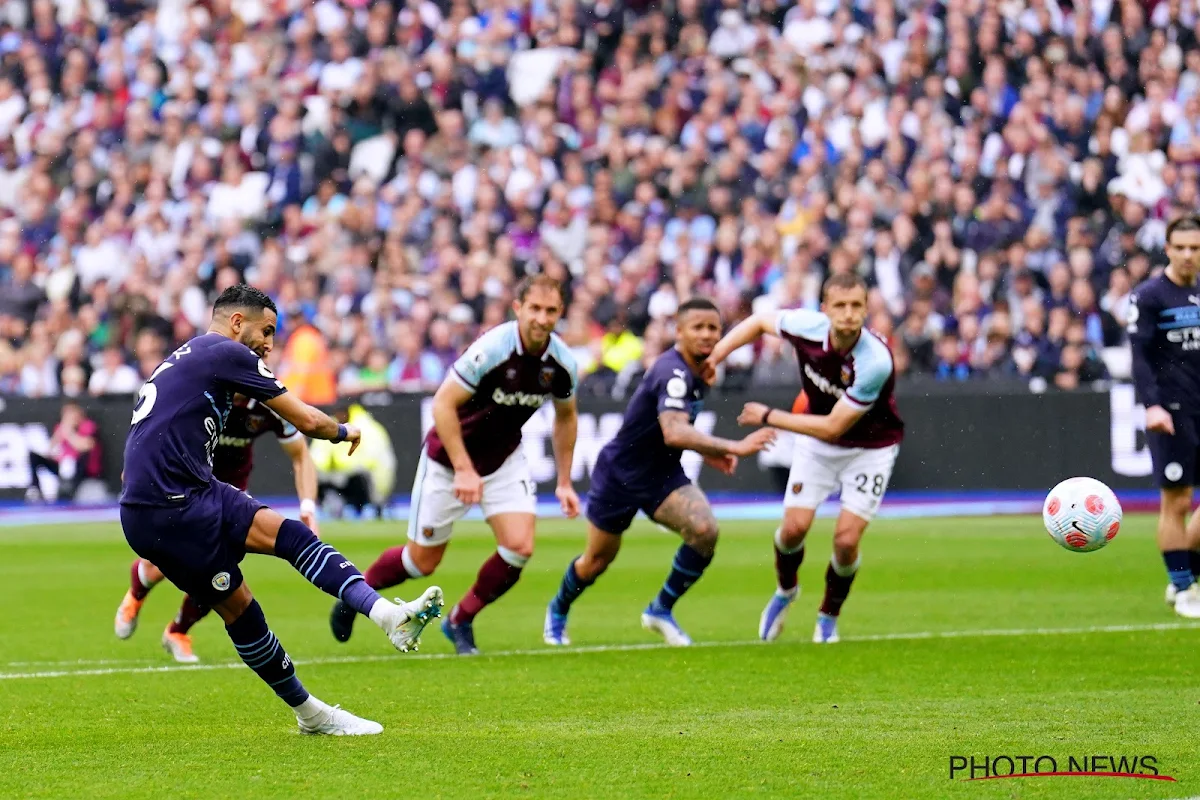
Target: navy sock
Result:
[[263, 653], [1179, 568], [569, 590], [687, 568], [323, 566], [1194, 560]]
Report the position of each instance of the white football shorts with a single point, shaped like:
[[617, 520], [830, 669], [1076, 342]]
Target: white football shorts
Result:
[[434, 509], [819, 468]]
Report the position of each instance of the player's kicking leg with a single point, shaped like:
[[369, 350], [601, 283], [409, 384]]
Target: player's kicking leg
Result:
[[687, 512], [334, 574], [601, 550], [143, 576], [514, 539]]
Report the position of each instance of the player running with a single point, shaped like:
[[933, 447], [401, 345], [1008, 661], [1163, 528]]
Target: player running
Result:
[[197, 529], [1164, 335], [849, 438], [640, 469], [473, 455], [232, 461]]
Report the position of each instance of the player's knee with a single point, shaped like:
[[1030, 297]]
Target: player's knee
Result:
[[522, 551], [702, 536], [1176, 503], [846, 540], [793, 532], [590, 566], [426, 559]]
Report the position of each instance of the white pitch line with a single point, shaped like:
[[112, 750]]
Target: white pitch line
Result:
[[604, 648]]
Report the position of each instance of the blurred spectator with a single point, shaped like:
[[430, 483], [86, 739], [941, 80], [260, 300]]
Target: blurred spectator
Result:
[[73, 455]]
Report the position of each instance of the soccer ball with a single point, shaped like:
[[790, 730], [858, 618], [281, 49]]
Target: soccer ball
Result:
[[1081, 514]]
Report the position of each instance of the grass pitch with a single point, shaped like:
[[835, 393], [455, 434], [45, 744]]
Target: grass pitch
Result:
[[961, 637]]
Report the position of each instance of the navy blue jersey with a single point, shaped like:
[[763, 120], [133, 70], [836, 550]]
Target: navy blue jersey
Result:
[[1164, 335], [180, 414], [637, 457]]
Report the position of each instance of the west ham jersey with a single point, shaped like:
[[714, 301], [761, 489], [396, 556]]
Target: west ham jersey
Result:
[[864, 377], [247, 420], [180, 414], [638, 456], [508, 385]]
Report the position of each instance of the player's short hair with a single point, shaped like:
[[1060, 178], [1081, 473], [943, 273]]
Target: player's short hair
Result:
[[696, 304], [246, 297], [843, 280], [1187, 222], [539, 281]]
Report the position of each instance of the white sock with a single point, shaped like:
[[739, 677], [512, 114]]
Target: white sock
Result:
[[382, 612], [149, 584], [310, 709]]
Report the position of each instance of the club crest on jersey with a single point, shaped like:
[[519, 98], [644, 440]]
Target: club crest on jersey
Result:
[[546, 377], [847, 374], [797, 488], [221, 581]]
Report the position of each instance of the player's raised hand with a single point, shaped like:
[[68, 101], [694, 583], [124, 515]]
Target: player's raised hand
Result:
[[1158, 419], [752, 414], [353, 436], [725, 464], [468, 487], [759, 440], [569, 500]]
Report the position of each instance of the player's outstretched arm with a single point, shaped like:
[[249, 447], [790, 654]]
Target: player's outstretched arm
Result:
[[680, 434], [748, 330], [450, 396], [828, 428], [305, 472], [313, 421]]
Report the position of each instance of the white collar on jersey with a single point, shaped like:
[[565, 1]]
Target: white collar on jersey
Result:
[[521, 345]]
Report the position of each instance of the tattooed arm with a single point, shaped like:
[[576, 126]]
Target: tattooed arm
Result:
[[680, 434]]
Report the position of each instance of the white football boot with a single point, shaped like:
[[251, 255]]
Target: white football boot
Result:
[[770, 624], [1169, 596], [336, 721], [662, 622], [404, 622], [826, 630], [1187, 603]]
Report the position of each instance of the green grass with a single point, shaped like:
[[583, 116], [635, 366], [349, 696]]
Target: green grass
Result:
[[867, 718]]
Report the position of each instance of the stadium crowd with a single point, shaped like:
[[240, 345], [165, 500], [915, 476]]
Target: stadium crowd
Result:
[[999, 170]]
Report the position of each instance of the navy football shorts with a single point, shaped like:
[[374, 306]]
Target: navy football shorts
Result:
[[611, 505], [1175, 457], [197, 544]]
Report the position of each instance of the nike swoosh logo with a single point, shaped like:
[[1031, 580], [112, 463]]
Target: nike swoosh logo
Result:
[[1075, 525]]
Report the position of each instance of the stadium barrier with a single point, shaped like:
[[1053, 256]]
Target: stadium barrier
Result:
[[960, 437]]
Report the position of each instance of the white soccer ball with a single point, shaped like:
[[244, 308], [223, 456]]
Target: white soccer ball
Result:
[[1081, 514]]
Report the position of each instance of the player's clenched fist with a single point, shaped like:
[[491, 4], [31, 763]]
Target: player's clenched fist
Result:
[[726, 464], [569, 500], [1159, 419], [468, 487], [759, 440], [752, 414]]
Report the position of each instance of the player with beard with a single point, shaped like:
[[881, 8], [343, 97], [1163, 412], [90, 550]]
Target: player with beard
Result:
[[233, 461], [197, 529], [473, 455]]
